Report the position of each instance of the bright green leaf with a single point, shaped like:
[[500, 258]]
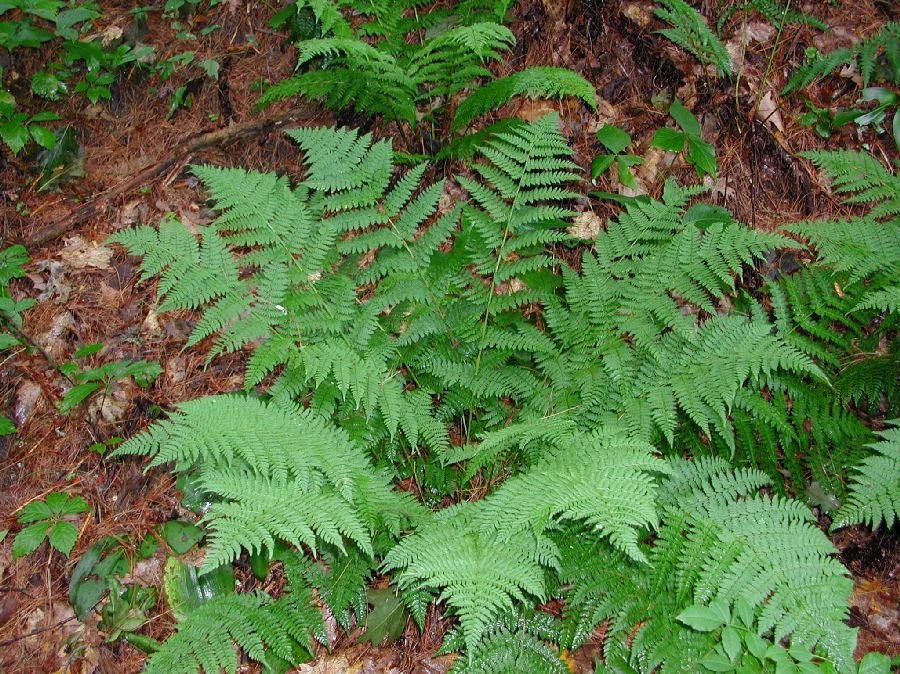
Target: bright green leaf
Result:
[[181, 536], [613, 138], [27, 540], [42, 136], [684, 119], [600, 163], [63, 536], [731, 642], [15, 135], [702, 618], [669, 140]]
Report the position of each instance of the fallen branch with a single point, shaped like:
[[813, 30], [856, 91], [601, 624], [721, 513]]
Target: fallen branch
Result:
[[78, 215]]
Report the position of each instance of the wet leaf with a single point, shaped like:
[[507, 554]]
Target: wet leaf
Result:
[[181, 536], [388, 617], [186, 589]]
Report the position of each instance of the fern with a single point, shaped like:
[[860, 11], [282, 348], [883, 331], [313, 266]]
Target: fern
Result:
[[489, 555], [205, 639], [875, 486], [691, 32], [418, 62], [777, 13], [537, 81], [863, 177], [772, 566], [281, 474], [513, 644], [460, 351], [876, 54]]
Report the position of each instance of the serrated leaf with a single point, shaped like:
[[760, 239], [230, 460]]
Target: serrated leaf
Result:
[[34, 511], [731, 642], [668, 139], [63, 536], [42, 136], [702, 155], [756, 645], [717, 662], [28, 540], [14, 134]]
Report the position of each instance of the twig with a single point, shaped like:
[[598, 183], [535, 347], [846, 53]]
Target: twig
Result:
[[78, 215], [31, 634], [25, 337]]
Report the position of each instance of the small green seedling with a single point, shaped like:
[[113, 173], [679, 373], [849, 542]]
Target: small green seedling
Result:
[[697, 151], [17, 128], [87, 382], [615, 140], [12, 260], [45, 519]]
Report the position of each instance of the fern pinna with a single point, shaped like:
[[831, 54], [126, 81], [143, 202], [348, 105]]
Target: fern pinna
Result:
[[395, 336]]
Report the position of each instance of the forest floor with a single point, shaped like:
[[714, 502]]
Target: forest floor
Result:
[[91, 294]]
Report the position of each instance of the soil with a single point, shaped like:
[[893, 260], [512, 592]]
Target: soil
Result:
[[89, 295]]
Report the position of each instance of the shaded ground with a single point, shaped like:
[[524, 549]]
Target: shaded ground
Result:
[[89, 295]]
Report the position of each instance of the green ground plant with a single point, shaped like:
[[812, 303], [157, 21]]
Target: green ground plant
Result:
[[394, 336]]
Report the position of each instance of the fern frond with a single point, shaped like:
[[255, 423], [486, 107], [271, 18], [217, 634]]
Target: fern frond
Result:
[[691, 32], [875, 486], [862, 176], [777, 13], [538, 81], [257, 512], [479, 574], [206, 639], [270, 465], [513, 646], [863, 55], [600, 479]]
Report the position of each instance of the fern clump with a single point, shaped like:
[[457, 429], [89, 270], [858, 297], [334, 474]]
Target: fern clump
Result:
[[773, 578], [407, 348], [776, 12], [277, 474], [420, 63]]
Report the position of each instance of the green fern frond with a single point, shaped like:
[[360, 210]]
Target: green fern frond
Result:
[[538, 81], [773, 567], [691, 32], [864, 55], [191, 273], [856, 248], [875, 486], [861, 176], [206, 639], [454, 59], [600, 479], [282, 473], [257, 511], [480, 575], [778, 13], [513, 646]]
